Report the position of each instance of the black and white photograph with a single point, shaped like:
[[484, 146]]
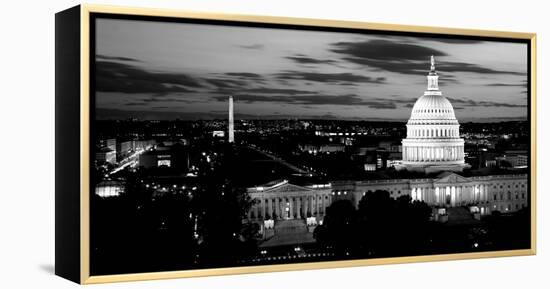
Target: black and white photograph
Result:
[[220, 144]]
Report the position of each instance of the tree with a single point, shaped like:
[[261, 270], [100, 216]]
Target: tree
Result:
[[381, 226], [221, 207], [339, 226], [134, 233], [393, 226]]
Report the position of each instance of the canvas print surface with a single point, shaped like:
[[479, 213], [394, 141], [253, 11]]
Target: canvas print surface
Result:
[[222, 145]]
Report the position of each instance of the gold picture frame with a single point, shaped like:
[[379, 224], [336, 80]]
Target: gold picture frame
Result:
[[82, 203]]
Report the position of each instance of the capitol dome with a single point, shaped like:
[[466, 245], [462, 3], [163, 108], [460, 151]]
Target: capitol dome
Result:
[[433, 140], [432, 107]]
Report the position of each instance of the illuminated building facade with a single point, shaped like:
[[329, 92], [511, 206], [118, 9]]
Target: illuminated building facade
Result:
[[283, 201], [504, 193], [280, 201]]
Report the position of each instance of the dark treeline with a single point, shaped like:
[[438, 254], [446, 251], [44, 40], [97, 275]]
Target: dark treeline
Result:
[[143, 231], [380, 226], [385, 227]]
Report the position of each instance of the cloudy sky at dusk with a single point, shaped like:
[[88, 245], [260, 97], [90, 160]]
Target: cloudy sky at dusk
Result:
[[155, 70]]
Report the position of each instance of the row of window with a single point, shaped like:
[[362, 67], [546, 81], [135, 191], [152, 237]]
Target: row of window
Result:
[[508, 207], [433, 110], [434, 132], [508, 196], [391, 192], [291, 199], [501, 186]]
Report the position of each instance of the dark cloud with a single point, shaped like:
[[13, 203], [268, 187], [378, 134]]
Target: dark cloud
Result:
[[329, 77], [469, 103], [134, 103], [404, 57], [462, 103], [302, 59], [498, 119], [245, 75], [398, 66], [381, 105], [469, 67], [119, 58], [168, 99], [150, 114], [386, 50], [522, 84], [270, 90], [119, 77], [148, 101], [230, 82], [223, 83], [392, 102], [447, 78], [455, 40], [252, 46], [416, 67], [398, 100], [348, 99], [261, 94], [444, 79], [314, 99]]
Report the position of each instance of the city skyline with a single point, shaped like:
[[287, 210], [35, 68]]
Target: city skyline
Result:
[[154, 70]]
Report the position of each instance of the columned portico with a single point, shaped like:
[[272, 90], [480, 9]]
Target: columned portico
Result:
[[284, 201]]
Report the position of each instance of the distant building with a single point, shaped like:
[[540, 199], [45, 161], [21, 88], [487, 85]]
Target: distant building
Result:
[[339, 133], [370, 167], [175, 156], [106, 154], [143, 144], [109, 143], [109, 188], [218, 133], [491, 163], [323, 148], [124, 149], [517, 159]]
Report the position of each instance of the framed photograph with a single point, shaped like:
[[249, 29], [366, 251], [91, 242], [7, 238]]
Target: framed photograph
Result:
[[193, 144]]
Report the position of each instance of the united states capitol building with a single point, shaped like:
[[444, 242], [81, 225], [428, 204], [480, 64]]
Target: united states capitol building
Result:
[[432, 146]]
